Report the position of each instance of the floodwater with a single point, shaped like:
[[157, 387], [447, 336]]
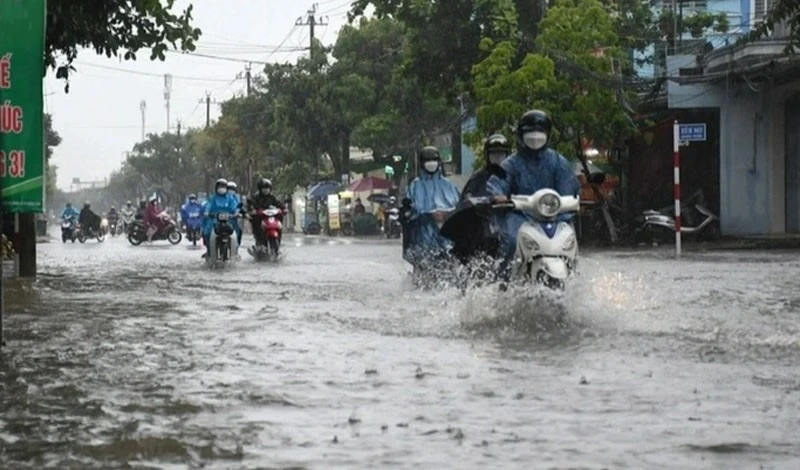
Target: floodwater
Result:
[[140, 358]]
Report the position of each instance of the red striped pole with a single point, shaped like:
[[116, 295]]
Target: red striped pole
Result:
[[676, 191]]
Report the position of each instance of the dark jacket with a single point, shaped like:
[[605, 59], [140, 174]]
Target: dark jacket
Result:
[[88, 218], [476, 186], [260, 201]]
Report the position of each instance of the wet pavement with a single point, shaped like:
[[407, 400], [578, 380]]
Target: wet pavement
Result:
[[139, 357]]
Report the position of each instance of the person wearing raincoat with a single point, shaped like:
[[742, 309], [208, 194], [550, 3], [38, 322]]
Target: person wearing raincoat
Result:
[[233, 193], [220, 202], [431, 197], [533, 167], [476, 233]]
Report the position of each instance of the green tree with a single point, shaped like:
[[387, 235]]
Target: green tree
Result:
[[786, 13], [111, 27]]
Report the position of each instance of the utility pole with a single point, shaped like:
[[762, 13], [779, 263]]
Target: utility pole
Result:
[[179, 128], [142, 109], [167, 92], [207, 100], [246, 76], [311, 21]]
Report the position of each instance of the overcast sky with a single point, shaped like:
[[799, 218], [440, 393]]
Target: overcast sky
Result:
[[100, 119]]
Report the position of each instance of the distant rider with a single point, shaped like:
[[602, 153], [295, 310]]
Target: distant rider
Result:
[[233, 192], [191, 206], [430, 193], [533, 167], [128, 211], [262, 199], [219, 203], [141, 210], [113, 217], [153, 220], [90, 222]]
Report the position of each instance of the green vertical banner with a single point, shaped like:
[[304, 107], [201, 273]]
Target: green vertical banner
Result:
[[22, 30]]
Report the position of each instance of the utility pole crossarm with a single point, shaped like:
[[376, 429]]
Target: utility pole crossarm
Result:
[[312, 21]]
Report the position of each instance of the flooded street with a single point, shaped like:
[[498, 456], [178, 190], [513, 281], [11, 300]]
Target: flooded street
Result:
[[139, 357]]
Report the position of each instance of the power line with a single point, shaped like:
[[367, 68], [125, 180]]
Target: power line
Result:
[[150, 74]]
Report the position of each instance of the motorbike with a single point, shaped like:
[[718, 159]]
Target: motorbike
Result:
[[697, 219], [87, 233], [112, 228], [431, 267], [222, 243], [393, 228], [137, 234], [69, 230], [547, 248], [273, 229], [194, 226], [125, 223]]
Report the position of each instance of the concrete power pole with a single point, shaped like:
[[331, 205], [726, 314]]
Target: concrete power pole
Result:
[[207, 100], [142, 109], [167, 93], [246, 75], [311, 21]]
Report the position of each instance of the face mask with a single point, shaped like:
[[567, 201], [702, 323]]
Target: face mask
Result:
[[534, 140], [431, 166], [496, 158], [222, 191], [266, 191]]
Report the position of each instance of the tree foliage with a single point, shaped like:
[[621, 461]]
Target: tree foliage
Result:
[[51, 140], [114, 27], [571, 76]]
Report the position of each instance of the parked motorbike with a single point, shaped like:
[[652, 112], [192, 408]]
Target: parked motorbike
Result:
[[194, 227], [272, 225], [222, 243], [69, 230], [696, 219], [137, 234], [393, 228]]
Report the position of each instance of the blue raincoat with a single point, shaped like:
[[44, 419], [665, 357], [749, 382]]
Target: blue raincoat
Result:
[[215, 205], [429, 193], [187, 212], [528, 171], [69, 213]]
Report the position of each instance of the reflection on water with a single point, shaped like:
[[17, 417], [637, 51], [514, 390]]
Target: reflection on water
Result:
[[122, 357]]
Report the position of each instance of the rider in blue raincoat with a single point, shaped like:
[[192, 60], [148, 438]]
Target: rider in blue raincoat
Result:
[[220, 202], [233, 193], [430, 193], [70, 213], [533, 167], [187, 210]]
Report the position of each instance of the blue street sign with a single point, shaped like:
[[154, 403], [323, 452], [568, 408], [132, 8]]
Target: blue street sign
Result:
[[692, 132]]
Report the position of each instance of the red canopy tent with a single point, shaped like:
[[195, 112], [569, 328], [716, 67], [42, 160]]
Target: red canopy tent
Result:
[[370, 183]]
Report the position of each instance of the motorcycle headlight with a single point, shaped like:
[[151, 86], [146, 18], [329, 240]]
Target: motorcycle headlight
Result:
[[528, 243], [549, 204], [569, 245]]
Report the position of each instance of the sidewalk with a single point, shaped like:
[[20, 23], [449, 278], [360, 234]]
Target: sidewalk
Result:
[[754, 243]]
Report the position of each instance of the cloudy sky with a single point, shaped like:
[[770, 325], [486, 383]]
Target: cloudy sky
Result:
[[100, 118]]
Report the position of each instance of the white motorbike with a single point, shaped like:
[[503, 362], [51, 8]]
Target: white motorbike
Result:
[[547, 249], [223, 248]]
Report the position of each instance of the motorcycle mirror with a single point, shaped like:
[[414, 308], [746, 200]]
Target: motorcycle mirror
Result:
[[597, 178]]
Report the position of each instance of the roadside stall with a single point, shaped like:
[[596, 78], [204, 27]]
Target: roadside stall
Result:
[[366, 189], [316, 207]]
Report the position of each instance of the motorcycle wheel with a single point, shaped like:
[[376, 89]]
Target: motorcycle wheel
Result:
[[82, 238], [101, 237], [222, 251], [64, 237], [174, 237], [134, 240], [273, 247]]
